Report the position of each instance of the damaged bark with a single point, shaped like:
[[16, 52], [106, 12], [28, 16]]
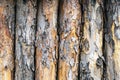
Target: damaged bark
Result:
[[112, 39], [7, 17], [69, 19], [91, 63], [47, 40], [25, 37]]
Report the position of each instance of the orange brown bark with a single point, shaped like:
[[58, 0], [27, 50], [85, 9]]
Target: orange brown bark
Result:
[[47, 40], [6, 41], [69, 19]]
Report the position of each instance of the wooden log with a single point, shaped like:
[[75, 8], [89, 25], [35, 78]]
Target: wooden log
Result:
[[47, 40], [112, 39], [91, 64], [7, 17], [69, 19], [25, 39]]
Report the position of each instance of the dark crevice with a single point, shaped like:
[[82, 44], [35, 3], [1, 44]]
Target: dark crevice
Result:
[[58, 29], [25, 1], [14, 46], [81, 36], [104, 75], [37, 13]]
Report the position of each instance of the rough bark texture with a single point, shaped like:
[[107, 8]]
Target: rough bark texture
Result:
[[47, 40], [59, 39], [112, 39], [69, 19], [6, 39], [91, 63], [25, 37]]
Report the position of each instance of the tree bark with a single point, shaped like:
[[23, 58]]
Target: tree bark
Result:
[[6, 39], [25, 37], [91, 63], [59, 39], [47, 40], [70, 17], [112, 39]]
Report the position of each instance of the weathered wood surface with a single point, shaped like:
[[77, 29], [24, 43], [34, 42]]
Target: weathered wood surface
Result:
[[69, 21], [47, 40], [59, 39], [6, 39], [112, 39], [91, 61], [25, 39]]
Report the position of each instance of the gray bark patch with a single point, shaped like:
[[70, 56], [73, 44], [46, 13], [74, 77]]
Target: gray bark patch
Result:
[[117, 32], [85, 71]]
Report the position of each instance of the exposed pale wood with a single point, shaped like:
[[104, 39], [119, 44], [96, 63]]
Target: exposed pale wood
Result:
[[47, 40], [70, 17], [6, 39], [25, 39], [91, 64]]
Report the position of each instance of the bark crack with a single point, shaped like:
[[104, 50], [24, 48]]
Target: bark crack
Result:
[[58, 30]]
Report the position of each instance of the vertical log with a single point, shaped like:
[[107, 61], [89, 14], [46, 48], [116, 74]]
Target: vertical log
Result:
[[91, 64], [25, 37], [112, 39], [46, 40], [6, 39], [70, 16]]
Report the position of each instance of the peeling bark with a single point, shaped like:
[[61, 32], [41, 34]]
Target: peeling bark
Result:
[[25, 37], [112, 39], [70, 18], [47, 40], [6, 39], [91, 64]]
